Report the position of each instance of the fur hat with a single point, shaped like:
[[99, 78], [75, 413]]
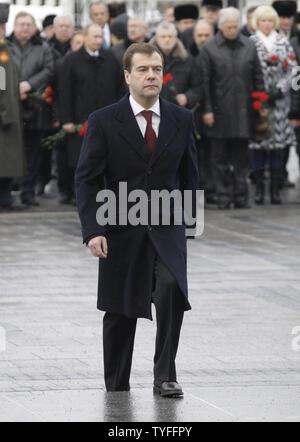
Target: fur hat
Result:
[[48, 21], [285, 8], [183, 12], [4, 12], [213, 4]]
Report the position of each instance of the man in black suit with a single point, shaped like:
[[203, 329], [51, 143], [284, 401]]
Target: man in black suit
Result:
[[147, 144]]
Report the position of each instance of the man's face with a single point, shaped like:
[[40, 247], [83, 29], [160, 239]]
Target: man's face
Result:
[[77, 42], [286, 23], [169, 16], [185, 24], [231, 29], [64, 29], [211, 15], [99, 15], [93, 40], [136, 30], [146, 77], [24, 28], [49, 32], [166, 40], [249, 21], [202, 34]]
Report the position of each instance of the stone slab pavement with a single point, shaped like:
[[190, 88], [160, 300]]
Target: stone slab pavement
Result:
[[238, 359]]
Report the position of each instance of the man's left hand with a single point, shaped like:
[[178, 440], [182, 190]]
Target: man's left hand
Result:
[[24, 88], [182, 100]]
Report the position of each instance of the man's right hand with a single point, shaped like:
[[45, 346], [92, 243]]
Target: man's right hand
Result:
[[98, 247], [209, 119], [69, 127]]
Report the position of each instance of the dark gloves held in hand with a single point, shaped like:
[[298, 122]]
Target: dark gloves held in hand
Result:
[[275, 94]]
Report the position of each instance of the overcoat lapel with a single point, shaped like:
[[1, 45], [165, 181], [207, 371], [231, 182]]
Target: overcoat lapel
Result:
[[130, 130]]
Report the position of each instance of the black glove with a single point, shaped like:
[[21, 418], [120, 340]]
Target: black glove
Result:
[[275, 94]]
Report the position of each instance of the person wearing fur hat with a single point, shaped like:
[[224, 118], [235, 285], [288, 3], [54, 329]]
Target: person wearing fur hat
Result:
[[11, 137], [185, 17], [286, 9], [48, 27]]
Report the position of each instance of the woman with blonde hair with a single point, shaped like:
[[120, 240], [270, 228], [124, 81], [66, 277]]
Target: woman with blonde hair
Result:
[[277, 60]]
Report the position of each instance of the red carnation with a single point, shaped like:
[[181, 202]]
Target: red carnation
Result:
[[285, 64], [292, 57], [257, 105], [49, 90], [49, 100], [264, 97], [274, 58], [167, 78], [255, 95], [83, 130]]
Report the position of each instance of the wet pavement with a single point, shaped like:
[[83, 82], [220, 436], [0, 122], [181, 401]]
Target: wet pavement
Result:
[[238, 358]]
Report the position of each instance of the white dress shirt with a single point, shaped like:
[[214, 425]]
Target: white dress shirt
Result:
[[107, 35], [91, 53], [141, 121]]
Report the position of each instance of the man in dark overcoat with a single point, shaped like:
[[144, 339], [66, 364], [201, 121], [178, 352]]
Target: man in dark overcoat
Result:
[[230, 72], [12, 162], [90, 79], [148, 144]]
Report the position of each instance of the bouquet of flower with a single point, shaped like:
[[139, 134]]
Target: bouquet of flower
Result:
[[53, 140], [261, 118], [45, 95]]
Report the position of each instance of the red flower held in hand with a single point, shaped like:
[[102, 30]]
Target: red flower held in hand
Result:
[[49, 100], [274, 58], [264, 97], [83, 129], [257, 105], [167, 78], [256, 95], [285, 64], [292, 57]]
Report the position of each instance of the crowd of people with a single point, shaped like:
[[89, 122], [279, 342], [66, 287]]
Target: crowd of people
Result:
[[236, 80]]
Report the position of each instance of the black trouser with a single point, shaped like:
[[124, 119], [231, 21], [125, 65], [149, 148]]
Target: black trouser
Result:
[[119, 334], [32, 142], [230, 160], [297, 131], [6, 198], [205, 166], [45, 167], [65, 174]]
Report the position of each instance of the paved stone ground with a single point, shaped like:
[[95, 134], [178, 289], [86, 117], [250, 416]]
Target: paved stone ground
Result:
[[235, 362]]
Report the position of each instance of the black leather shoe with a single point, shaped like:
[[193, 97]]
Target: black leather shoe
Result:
[[168, 389], [15, 207]]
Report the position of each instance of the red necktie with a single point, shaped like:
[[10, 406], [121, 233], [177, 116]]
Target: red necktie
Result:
[[150, 135]]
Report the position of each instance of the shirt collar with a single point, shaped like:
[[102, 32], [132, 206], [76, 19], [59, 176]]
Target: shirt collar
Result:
[[92, 54], [137, 108]]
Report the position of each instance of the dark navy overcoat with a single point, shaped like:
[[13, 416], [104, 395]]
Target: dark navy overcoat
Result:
[[115, 151]]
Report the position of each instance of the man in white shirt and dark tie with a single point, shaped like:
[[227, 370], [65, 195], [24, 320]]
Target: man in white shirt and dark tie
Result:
[[99, 14]]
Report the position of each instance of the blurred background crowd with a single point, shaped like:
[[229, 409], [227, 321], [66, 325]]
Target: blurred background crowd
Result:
[[237, 73]]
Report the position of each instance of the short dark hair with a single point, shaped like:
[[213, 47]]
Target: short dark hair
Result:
[[251, 10], [139, 48]]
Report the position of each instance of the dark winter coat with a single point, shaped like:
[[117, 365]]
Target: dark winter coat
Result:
[[87, 84], [12, 162], [115, 151], [186, 76], [230, 72], [35, 65]]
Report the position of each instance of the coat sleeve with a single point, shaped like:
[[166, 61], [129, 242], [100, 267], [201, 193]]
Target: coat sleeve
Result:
[[206, 74], [90, 178], [194, 93], [41, 79], [66, 108], [189, 173]]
